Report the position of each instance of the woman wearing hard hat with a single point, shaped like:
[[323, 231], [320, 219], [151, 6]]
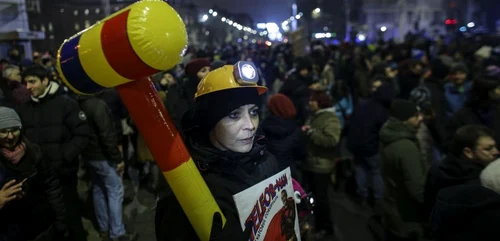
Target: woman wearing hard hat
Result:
[[221, 138]]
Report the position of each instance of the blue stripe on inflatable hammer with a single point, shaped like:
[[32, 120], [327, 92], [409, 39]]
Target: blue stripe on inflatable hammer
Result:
[[73, 71]]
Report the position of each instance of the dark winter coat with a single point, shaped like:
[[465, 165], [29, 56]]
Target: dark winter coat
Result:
[[466, 213], [452, 171], [226, 173], [284, 140], [42, 208], [367, 120], [59, 126], [489, 117], [115, 104], [103, 138]]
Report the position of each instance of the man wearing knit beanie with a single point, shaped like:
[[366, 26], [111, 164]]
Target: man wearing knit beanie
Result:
[[8, 121], [403, 171]]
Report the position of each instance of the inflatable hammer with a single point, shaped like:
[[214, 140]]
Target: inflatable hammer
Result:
[[122, 51]]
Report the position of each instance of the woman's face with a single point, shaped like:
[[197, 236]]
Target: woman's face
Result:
[[236, 131], [9, 137], [203, 72]]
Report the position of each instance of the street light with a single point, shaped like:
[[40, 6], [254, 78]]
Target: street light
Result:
[[471, 25], [204, 18], [214, 14], [383, 28], [317, 10]]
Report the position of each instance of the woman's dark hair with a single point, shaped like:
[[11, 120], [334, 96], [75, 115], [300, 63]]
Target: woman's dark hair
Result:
[[467, 136], [339, 91], [479, 97], [320, 96]]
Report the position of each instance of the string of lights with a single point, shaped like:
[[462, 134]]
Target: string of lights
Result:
[[213, 14], [291, 19]]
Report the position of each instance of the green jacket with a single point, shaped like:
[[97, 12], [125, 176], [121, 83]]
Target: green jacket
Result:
[[322, 140], [404, 173]]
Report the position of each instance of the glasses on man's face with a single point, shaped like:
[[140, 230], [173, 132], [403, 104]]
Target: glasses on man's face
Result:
[[4, 133]]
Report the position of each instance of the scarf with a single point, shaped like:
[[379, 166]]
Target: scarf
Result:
[[14, 156]]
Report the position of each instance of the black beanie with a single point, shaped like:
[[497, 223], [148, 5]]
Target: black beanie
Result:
[[212, 107], [403, 109]]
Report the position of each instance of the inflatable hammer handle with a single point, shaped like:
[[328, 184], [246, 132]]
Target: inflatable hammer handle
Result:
[[122, 51]]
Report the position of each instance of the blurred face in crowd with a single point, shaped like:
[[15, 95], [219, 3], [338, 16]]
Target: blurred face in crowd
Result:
[[9, 137], [304, 72], [459, 78], [36, 86], [15, 75], [416, 120], [236, 132], [485, 151], [375, 85], [203, 72], [391, 73], [495, 94], [313, 105], [167, 80], [417, 69]]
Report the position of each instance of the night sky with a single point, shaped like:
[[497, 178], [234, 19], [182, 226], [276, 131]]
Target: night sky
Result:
[[259, 10]]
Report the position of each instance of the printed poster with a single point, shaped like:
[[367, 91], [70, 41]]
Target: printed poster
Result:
[[268, 209]]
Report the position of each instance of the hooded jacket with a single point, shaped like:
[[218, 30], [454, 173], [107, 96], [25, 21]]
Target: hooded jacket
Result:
[[226, 173], [466, 213], [404, 173], [367, 120], [57, 124], [41, 208]]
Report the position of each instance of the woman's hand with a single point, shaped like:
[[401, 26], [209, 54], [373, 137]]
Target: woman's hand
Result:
[[9, 192]]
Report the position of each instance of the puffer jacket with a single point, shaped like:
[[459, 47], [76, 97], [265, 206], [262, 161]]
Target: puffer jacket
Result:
[[226, 173], [322, 139], [42, 207], [103, 138], [56, 123], [404, 173]]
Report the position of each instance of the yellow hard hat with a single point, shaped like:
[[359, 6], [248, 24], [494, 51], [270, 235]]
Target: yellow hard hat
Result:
[[241, 75]]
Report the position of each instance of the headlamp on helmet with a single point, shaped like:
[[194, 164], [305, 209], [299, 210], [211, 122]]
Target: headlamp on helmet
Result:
[[246, 73]]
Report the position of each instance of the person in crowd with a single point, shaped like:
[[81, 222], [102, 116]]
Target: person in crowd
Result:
[[343, 101], [322, 137], [175, 102], [363, 140], [466, 213], [481, 109], [56, 123], [16, 90], [469, 212], [403, 172], [195, 71], [410, 76], [283, 136], [426, 135], [222, 141], [390, 72], [106, 166], [473, 147], [296, 87], [31, 201], [457, 90]]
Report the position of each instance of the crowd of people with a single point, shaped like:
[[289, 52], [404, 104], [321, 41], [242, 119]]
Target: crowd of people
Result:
[[417, 124]]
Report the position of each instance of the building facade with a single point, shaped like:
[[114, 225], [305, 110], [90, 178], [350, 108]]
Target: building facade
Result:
[[395, 18]]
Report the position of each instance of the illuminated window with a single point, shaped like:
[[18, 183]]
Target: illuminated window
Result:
[[86, 12], [51, 28], [97, 11], [42, 28], [77, 26], [75, 12], [87, 23]]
